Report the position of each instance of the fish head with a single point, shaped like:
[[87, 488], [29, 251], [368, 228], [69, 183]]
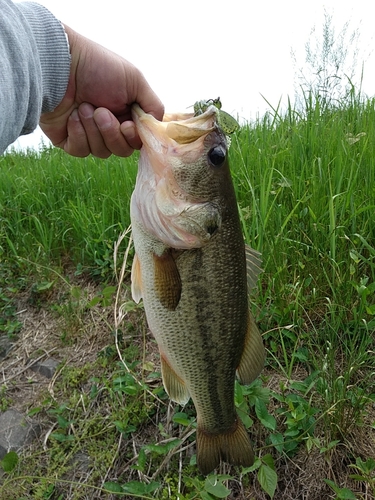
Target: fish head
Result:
[[183, 172]]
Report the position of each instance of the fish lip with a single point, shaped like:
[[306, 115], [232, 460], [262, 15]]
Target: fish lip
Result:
[[148, 127], [139, 114], [168, 131]]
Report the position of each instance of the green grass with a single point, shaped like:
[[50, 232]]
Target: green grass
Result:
[[305, 183], [54, 206]]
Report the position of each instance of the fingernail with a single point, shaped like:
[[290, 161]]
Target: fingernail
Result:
[[86, 110], [103, 119], [74, 115]]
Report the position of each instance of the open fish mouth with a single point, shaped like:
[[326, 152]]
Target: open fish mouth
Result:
[[183, 128]]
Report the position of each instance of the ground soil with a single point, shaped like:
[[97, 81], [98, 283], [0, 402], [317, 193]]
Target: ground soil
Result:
[[42, 336]]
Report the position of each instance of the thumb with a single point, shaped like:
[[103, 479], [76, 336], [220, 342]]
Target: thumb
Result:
[[149, 101]]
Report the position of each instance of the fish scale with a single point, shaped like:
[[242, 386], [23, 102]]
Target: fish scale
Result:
[[191, 269]]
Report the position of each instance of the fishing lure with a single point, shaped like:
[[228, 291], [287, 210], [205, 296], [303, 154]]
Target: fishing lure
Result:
[[225, 121]]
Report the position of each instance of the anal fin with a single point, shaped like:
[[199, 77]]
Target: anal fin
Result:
[[174, 385], [253, 356]]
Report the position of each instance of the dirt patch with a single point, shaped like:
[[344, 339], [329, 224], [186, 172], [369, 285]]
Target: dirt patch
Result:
[[72, 335], [62, 326]]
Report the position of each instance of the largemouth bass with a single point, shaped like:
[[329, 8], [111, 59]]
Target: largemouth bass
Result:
[[191, 270]]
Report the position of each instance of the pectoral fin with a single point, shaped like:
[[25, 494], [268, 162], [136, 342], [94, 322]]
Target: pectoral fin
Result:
[[167, 280], [173, 384], [253, 355], [136, 280], [253, 266]]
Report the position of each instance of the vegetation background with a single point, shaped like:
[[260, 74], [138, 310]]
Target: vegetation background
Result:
[[305, 183]]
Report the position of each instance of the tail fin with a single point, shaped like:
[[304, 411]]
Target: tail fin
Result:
[[233, 447]]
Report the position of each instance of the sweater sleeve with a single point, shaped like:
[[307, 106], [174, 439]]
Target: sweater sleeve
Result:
[[34, 67]]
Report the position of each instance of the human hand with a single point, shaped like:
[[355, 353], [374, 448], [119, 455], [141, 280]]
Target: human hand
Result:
[[95, 113]]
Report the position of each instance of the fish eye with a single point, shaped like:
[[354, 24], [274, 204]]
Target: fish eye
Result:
[[216, 156]]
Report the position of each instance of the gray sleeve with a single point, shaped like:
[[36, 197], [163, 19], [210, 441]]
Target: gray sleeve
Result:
[[34, 67]]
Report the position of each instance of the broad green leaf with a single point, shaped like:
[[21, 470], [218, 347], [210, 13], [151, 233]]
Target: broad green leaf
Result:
[[62, 437], [298, 386], [181, 418], [342, 493], [113, 487], [148, 366], [137, 488], [163, 449], [310, 442], [370, 309], [357, 477], [246, 419], [44, 286], [10, 461], [277, 440], [141, 459], [94, 301], [131, 390], [108, 291], [205, 496], [34, 411], [268, 460], [214, 485], [329, 446], [367, 467], [63, 422], [257, 463], [267, 478], [262, 413], [238, 393], [291, 432]]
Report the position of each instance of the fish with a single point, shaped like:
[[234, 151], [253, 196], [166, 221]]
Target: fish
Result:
[[193, 272]]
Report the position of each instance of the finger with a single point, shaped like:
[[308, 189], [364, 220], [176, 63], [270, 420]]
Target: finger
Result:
[[110, 130], [94, 136], [149, 101], [129, 131], [76, 143]]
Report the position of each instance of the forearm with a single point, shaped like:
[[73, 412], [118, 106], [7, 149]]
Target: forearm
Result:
[[34, 67]]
